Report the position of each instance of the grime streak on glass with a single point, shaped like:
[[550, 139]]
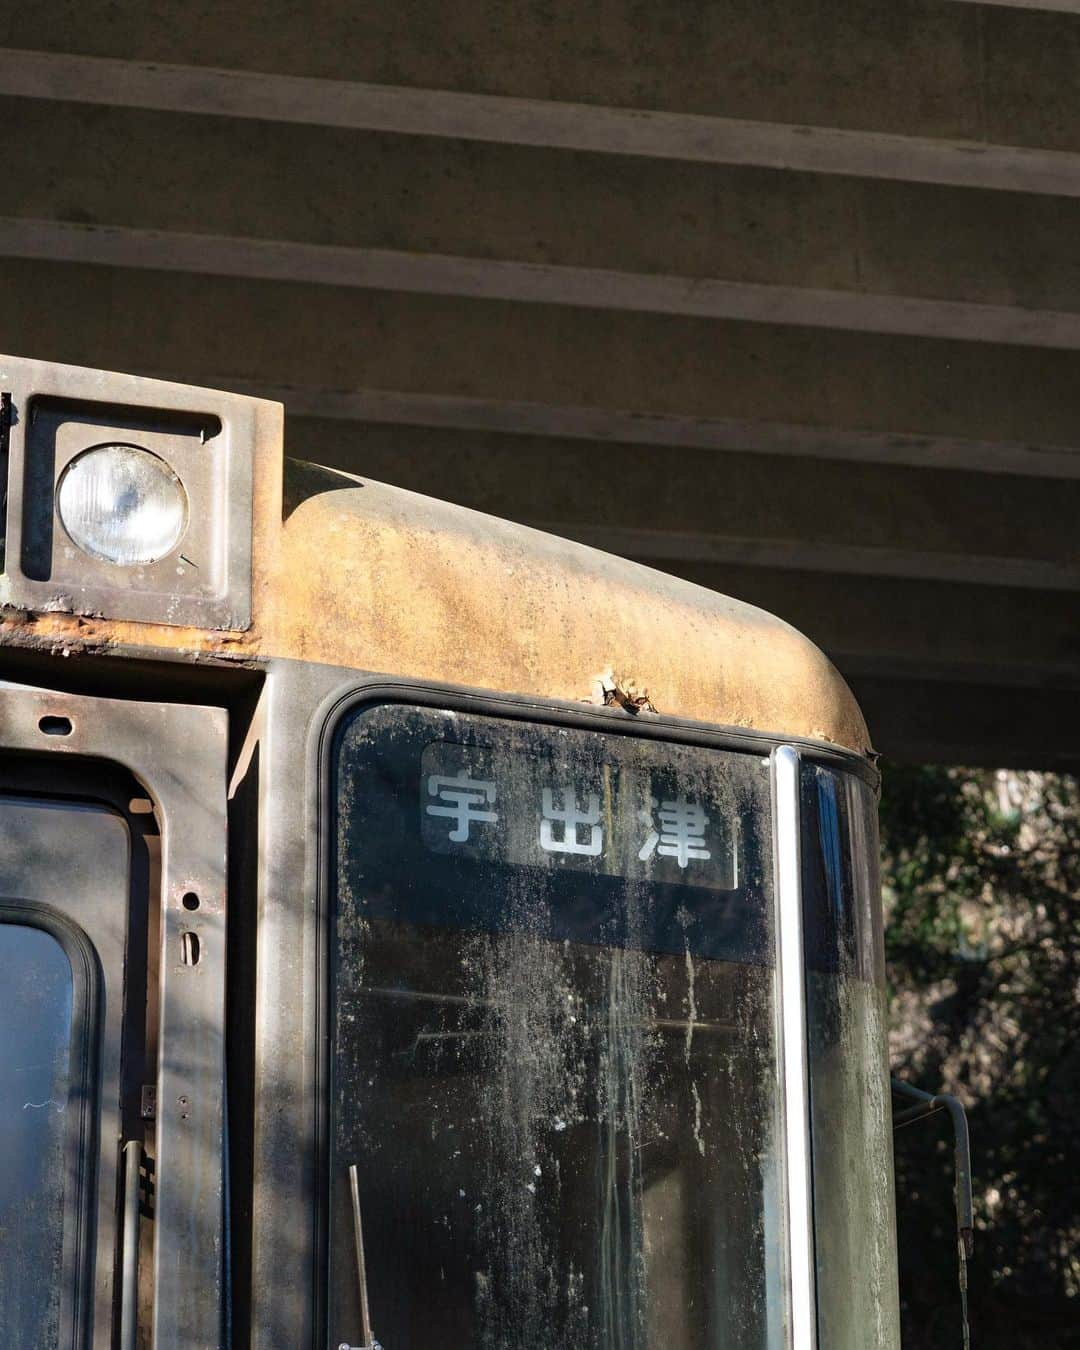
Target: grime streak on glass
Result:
[[553, 1058]]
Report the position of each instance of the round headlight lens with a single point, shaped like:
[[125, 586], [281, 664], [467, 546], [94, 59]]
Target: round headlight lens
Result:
[[122, 504]]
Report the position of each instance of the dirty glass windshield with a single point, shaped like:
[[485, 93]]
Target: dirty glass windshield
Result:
[[850, 1107], [553, 1073]]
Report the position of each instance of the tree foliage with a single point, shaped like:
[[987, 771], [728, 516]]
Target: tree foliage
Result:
[[982, 892]]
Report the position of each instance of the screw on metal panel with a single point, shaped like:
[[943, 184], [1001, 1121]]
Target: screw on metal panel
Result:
[[148, 1104]]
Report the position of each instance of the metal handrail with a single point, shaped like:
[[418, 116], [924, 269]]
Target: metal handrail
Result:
[[927, 1104]]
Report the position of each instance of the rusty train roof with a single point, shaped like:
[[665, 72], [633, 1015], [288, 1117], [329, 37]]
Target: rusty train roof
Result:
[[359, 574], [421, 588]]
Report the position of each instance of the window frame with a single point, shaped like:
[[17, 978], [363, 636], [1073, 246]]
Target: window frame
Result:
[[790, 982]]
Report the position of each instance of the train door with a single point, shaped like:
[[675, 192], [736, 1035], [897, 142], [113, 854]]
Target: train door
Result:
[[112, 925]]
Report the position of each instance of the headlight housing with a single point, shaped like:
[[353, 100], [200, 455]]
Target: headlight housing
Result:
[[122, 504]]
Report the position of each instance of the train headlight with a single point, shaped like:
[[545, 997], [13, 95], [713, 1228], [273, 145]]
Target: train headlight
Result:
[[122, 504]]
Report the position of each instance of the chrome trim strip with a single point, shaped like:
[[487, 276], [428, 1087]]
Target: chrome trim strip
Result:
[[129, 1247], [794, 1067]]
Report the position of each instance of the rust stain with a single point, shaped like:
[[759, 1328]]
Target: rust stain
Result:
[[391, 582], [621, 691]]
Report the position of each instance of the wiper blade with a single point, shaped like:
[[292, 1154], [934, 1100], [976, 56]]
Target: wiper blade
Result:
[[368, 1340]]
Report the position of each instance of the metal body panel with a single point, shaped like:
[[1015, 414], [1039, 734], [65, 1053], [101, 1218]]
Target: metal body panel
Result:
[[178, 753], [289, 721], [426, 590], [58, 411]]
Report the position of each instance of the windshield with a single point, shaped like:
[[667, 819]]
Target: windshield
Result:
[[850, 1106], [554, 1083]]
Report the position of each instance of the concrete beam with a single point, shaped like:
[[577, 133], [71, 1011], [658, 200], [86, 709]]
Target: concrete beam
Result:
[[921, 667], [918, 631], [626, 427], [199, 329], [1051, 6], [684, 508], [920, 721], [534, 283], [922, 67], [675, 546], [158, 171], [535, 122], [676, 507]]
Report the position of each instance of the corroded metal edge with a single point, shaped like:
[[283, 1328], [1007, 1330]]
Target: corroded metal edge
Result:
[[379, 579]]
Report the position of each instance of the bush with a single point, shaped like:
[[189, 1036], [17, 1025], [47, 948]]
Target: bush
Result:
[[982, 896]]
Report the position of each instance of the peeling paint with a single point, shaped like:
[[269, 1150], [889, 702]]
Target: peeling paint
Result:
[[384, 580]]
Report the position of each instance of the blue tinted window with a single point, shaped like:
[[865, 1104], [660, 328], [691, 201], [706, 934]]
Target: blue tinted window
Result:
[[34, 1099], [850, 1105]]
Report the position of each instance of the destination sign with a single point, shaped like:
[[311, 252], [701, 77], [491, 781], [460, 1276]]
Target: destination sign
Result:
[[539, 805], [475, 822]]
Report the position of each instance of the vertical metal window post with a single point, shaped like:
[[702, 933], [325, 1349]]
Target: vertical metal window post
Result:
[[794, 1074]]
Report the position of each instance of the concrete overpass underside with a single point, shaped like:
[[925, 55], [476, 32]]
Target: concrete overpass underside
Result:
[[779, 295]]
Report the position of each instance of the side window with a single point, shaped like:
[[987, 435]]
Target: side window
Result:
[[41, 1084], [850, 1103], [65, 905]]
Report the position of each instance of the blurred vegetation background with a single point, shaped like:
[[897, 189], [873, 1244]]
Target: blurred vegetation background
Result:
[[982, 898]]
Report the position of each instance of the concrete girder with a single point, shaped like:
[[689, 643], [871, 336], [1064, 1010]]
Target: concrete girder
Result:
[[452, 198], [927, 67], [917, 721], [920, 630], [686, 505], [1057, 6], [450, 114], [661, 547], [201, 329], [536, 283], [614, 426]]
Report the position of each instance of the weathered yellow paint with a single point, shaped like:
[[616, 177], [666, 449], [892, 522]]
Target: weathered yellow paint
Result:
[[383, 580], [391, 581]]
